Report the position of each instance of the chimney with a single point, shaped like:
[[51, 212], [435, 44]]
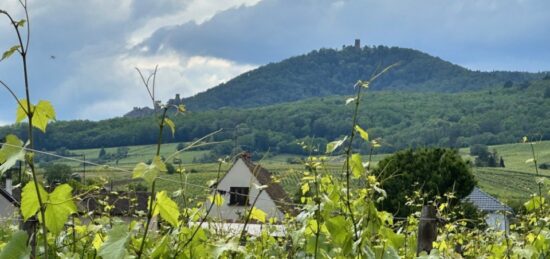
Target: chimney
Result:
[[357, 43]]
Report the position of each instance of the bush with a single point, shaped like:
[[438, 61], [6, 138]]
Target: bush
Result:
[[436, 170], [57, 173]]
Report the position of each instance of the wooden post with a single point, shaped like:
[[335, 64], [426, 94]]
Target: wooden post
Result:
[[427, 229]]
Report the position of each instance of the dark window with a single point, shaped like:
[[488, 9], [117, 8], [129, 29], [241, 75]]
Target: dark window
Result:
[[238, 196]]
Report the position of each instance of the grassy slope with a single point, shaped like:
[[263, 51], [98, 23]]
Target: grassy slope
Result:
[[517, 181], [512, 184]]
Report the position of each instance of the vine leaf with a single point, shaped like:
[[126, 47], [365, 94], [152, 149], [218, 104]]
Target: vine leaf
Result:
[[21, 23], [59, 207], [114, 246], [258, 214], [11, 153], [16, 247], [356, 164], [42, 114], [170, 124], [10, 52], [149, 172], [364, 135], [181, 108], [339, 230], [29, 199], [331, 146], [167, 208], [217, 199], [160, 249]]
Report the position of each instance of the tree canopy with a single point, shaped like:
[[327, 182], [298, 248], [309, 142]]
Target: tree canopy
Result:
[[432, 171]]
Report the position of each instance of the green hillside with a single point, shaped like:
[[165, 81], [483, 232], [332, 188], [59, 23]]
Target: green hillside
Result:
[[493, 116], [328, 72]]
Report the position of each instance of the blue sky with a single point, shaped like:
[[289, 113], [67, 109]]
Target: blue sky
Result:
[[201, 43]]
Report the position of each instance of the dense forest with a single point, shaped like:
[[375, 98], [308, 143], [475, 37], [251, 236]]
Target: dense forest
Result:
[[402, 119], [328, 72]]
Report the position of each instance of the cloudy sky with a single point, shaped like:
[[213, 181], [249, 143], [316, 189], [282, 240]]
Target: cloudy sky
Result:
[[198, 44]]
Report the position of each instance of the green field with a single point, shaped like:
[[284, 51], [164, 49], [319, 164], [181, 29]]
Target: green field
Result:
[[512, 184]]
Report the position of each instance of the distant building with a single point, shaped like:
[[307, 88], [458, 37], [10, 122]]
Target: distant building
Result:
[[497, 212], [9, 205], [357, 43], [239, 189]]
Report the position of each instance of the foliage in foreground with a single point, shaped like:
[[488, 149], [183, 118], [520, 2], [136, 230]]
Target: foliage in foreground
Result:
[[338, 219]]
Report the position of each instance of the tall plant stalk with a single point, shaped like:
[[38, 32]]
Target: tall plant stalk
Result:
[[22, 49]]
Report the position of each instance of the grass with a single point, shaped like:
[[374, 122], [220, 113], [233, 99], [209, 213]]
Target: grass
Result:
[[517, 181], [514, 183]]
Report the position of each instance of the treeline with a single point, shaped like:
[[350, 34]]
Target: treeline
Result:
[[327, 72], [495, 116]]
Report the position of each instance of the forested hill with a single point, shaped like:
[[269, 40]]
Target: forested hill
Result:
[[328, 72], [402, 119]]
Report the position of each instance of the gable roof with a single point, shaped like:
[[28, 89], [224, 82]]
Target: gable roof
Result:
[[485, 202], [273, 190]]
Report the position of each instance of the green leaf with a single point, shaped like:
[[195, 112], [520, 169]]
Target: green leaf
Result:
[[356, 165], [11, 153], [29, 199], [340, 232], [21, 23], [114, 246], [364, 135], [16, 247], [10, 52], [42, 114], [305, 188], [258, 214], [331, 146], [21, 112], [160, 249], [364, 84], [217, 199], [181, 108], [534, 203], [149, 172], [396, 240], [167, 208], [59, 207], [170, 124]]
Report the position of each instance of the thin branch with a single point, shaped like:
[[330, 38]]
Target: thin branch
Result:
[[14, 96]]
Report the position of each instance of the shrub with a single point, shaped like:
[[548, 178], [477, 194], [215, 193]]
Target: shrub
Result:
[[436, 171]]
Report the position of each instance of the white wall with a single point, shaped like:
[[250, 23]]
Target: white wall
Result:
[[7, 209], [497, 221], [240, 176]]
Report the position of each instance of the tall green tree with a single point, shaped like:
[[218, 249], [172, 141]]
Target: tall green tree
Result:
[[434, 171]]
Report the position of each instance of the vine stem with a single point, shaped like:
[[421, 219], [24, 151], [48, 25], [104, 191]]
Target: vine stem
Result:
[[317, 212], [205, 216], [23, 52], [348, 168], [242, 239], [153, 194]]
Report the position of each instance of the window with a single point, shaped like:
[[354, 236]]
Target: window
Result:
[[238, 196]]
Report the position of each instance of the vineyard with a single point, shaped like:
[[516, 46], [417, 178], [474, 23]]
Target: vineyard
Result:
[[338, 210]]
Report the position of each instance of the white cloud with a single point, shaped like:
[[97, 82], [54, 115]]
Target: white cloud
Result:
[[197, 11], [117, 88]]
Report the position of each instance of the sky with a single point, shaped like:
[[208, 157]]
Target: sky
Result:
[[83, 54]]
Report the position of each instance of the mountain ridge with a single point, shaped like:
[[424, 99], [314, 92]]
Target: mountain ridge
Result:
[[326, 72]]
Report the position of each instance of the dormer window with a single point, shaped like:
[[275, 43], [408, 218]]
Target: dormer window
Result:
[[239, 196]]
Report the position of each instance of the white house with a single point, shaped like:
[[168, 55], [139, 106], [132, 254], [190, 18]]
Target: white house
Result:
[[497, 212], [239, 188], [9, 206]]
